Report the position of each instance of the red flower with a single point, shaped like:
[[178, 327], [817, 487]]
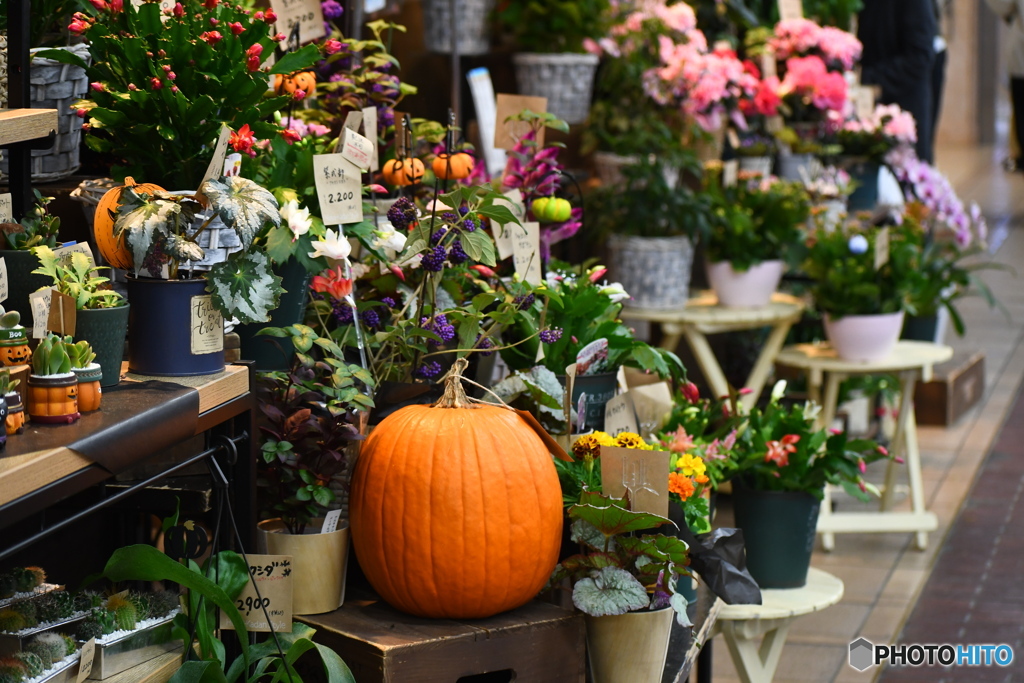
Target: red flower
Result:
[[751, 69], [97, 86], [214, 22], [767, 99], [156, 83], [116, 6], [178, 10], [80, 113], [690, 392], [278, 37], [242, 140], [332, 46], [269, 16], [332, 282], [132, 87], [211, 37], [258, 15], [290, 136], [100, 4], [236, 27], [210, 4], [79, 24], [778, 451], [254, 52], [484, 270]]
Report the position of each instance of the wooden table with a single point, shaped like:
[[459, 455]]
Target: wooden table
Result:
[[703, 316], [756, 634], [909, 360]]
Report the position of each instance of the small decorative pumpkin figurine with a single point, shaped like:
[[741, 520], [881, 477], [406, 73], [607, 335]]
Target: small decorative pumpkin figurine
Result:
[[300, 80], [3, 416], [14, 349], [479, 528], [52, 386], [87, 372], [403, 172], [453, 167], [14, 419], [113, 248]]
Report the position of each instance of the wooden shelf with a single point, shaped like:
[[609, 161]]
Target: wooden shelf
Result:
[[156, 670], [18, 125]]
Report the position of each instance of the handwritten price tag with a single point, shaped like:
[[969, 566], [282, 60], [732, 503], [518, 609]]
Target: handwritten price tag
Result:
[[85, 660], [306, 14], [370, 128], [207, 326], [339, 189], [526, 251], [6, 208], [40, 304], [64, 253], [5, 287], [273, 575], [620, 416], [791, 9], [357, 149], [503, 233]]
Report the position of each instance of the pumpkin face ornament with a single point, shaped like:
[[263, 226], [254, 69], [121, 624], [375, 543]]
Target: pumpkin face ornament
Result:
[[456, 511], [14, 349], [300, 80], [53, 399], [15, 421]]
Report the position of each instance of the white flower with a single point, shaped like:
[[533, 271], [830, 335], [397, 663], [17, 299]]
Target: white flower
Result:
[[858, 244], [779, 390], [299, 220], [616, 292], [388, 238], [334, 245]]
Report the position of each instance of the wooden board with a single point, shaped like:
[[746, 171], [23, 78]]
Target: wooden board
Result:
[[17, 125], [958, 385], [156, 670]]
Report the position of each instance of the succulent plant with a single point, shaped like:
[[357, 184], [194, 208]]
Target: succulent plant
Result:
[[11, 621], [33, 664], [8, 585], [55, 605], [7, 385], [123, 611], [99, 623], [87, 600], [51, 357], [70, 645], [49, 647], [9, 319], [80, 353], [142, 604], [12, 670], [27, 609]]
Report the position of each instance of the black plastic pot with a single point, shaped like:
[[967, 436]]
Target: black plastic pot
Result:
[[920, 328], [21, 282], [105, 330], [173, 329], [865, 173], [600, 389], [267, 354], [779, 529]]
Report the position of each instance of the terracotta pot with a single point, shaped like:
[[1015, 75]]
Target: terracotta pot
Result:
[[90, 393], [53, 399], [752, 288], [864, 337], [318, 563], [630, 647]]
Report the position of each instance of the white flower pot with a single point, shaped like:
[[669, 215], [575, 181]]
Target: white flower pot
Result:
[[759, 165], [655, 271], [567, 80], [797, 166], [750, 289], [630, 647], [864, 337]]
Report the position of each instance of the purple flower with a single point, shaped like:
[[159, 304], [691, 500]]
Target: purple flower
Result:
[[331, 9]]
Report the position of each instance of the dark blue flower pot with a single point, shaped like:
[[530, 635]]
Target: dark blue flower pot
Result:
[[779, 530], [271, 353], [865, 174]]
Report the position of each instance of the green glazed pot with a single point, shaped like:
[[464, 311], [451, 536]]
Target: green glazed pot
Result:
[[105, 330]]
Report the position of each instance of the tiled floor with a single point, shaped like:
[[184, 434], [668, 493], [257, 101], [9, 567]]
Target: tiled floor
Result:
[[884, 574]]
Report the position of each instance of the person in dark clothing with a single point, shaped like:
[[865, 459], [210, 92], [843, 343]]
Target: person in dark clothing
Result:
[[899, 49]]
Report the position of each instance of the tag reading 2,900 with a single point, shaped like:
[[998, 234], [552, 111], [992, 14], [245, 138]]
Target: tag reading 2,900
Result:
[[251, 604]]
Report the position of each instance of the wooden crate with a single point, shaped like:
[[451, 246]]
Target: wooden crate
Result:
[[958, 385], [539, 642]]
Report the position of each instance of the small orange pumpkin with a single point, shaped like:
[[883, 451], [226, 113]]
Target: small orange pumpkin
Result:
[[479, 524], [403, 171], [53, 399], [459, 166], [113, 249], [300, 80], [15, 422]]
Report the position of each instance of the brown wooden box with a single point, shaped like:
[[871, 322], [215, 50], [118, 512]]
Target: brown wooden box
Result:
[[957, 386], [539, 642]]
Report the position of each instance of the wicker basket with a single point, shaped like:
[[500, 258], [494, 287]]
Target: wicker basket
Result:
[[566, 80], [473, 29]]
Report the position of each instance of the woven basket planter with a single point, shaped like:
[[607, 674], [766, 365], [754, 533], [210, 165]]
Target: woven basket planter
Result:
[[567, 80], [473, 17]]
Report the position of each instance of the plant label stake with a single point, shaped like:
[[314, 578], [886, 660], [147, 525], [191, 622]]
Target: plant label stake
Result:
[[266, 601], [503, 233], [40, 303], [5, 287], [620, 415], [370, 130], [220, 153], [641, 474], [338, 188], [304, 17], [791, 9], [526, 251], [356, 148], [64, 253], [61, 318], [730, 173], [352, 122], [881, 248], [6, 208], [85, 660]]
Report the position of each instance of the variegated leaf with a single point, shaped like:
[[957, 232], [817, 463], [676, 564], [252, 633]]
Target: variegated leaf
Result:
[[244, 287], [243, 205], [182, 249], [144, 224]]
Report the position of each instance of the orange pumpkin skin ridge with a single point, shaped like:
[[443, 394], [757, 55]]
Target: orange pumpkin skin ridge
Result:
[[456, 512]]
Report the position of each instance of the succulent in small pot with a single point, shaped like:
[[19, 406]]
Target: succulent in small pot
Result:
[[14, 422], [88, 374], [14, 349], [52, 386]]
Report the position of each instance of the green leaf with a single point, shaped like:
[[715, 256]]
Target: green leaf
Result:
[[206, 671], [296, 61], [608, 592], [612, 520], [245, 287], [479, 247], [243, 205]]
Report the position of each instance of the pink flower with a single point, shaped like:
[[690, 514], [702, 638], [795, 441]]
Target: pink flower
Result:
[[116, 6], [690, 392], [155, 83], [97, 86], [278, 37], [178, 10], [99, 4], [839, 46], [332, 46], [597, 274], [236, 28], [778, 451], [681, 441], [269, 16], [290, 136], [830, 92], [79, 24], [80, 113], [484, 270], [253, 61], [211, 37]]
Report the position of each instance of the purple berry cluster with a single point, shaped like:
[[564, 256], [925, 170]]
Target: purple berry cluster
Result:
[[485, 344], [370, 318], [389, 302], [469, 225], [434, 259], [440, 326], [341, 312], [456, 254], [438, 235], [402, 213], [429, 370], [551, 336], [524, 301]]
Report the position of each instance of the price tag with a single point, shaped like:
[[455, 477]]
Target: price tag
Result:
[[791, 9], [526, 251], [863, 101], [653, 404], [207, 326], [331, 522], [370, 128], [506, 133], [730, 173], [643, 474], [503, 233], [353, 120], [881, 248], [306, 14], [61, 318], [5, 287], [40, 304], [233, 164], [273, 575], [6, 208], [220, 153], [620, 416], [64, 253], [85, 660], [339, 189], [357, 149]]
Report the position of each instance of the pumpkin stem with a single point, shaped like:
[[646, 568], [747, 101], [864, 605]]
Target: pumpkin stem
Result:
[[454, 393]]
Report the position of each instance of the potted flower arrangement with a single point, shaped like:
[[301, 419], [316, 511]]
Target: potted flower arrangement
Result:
[[783, 462], [652, 230], [552, 61], [866, 143], [828, 191], [37, 228], [863, 286], [309, 421], [756, 225], [101, 317], [52, 386]]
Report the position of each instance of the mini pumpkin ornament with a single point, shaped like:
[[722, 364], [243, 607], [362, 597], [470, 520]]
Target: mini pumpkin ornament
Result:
[[453, 166], [114, 249], [402, 172], [14, 348], [300, 80], [456, 511]]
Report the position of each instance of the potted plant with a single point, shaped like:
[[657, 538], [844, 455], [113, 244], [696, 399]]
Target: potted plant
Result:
[[552, 62], [755, 225], [652, 229], [87, 373], [101, 317], [866, 143], [173, 313], [38, 227], [828, 191], [14, 422], [863, 287], [308, 427], [624, 581], [783, 462], [14, 348], [52, 386]]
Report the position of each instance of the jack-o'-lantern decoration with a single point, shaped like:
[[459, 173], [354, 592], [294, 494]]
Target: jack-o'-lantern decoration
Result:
[[15, 421], [114, 249], [403, 172], [14, 349], [52, 386], [457, 167], [300, 80]]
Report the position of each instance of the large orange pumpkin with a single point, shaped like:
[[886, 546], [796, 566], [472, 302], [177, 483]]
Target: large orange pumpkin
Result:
[[403, 171], [456, 511], [114, 249], [458, 167]]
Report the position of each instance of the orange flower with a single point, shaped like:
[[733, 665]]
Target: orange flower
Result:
[[680, 485], [701, 479], [778, 451], [331, 282]]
